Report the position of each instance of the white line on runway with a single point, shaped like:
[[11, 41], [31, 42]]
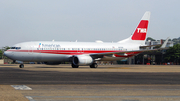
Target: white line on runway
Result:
[[21, 87], [46, 97], [30, 98]]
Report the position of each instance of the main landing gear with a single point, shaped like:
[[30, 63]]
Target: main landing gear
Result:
[[74, 66], [21, 66], [94, 65]]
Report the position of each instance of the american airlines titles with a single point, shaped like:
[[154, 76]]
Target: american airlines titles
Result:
[[51, 45]]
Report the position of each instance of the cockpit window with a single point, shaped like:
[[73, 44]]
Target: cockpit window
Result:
[[18, 47], [15, 47]]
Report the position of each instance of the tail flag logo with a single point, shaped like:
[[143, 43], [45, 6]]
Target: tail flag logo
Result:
[[141, 30]]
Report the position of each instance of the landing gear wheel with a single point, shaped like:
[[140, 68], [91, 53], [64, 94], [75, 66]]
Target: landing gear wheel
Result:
[[21, 66], [94, 65], [74, 66]]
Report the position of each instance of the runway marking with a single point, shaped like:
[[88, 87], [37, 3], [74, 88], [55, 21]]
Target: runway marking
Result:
[[21, 87], [29, 98], [118, 68], [146, 96]]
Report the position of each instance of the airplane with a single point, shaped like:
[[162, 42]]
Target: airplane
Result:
[[81, 53]]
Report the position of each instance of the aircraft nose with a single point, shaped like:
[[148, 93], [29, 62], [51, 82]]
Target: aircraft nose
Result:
[[7, 54]]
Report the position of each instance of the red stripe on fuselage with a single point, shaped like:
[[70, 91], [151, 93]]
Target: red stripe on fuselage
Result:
[[76, 52], [66, 52]]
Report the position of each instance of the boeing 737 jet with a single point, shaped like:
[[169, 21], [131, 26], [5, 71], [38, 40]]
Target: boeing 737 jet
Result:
[[81, 53]]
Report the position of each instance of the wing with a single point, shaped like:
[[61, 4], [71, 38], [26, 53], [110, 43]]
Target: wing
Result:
[[121, 53], [128, 53], [162, 46]]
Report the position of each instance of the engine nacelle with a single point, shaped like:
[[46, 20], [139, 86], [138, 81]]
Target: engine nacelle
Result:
[[82, 60]]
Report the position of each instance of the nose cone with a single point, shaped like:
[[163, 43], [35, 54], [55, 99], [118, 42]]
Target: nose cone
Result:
[[7, 54]]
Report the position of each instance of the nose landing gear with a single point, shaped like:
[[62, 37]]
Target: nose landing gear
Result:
[[21, 66]]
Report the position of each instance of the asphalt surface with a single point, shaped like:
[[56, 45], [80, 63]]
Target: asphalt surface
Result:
[[124, 83], [11, 76]]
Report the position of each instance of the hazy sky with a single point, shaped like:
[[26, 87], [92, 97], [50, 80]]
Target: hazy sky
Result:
[[84, 20]]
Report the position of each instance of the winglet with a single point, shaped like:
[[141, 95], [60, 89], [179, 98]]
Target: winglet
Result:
[[165, 43]]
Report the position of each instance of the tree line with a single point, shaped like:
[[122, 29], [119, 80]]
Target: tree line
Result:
[[173, 54], [2, 51]]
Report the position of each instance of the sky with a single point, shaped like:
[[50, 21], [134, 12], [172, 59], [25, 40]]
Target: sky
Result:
[[85, 20]]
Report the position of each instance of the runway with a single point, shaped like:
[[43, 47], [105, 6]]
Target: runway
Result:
[[110, 82]]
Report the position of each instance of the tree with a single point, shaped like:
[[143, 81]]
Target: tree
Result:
[[6, 48], [2, 51], [149, 38], [173, 54]]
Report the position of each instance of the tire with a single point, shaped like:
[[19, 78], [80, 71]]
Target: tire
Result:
[[94, 65], [21, 66], [74, 66]]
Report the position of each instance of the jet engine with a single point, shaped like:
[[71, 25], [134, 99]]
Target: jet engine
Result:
[[82, 60]]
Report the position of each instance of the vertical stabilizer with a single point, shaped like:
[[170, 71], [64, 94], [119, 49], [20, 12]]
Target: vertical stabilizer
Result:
[[140, 32]]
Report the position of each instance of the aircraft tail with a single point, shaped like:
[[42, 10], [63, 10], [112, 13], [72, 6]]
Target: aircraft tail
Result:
[[139, 35]]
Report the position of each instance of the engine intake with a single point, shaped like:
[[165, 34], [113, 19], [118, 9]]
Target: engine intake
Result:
[[82, 60]]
